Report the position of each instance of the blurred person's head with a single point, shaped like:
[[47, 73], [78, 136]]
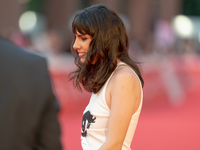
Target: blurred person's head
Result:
[[54, 41]]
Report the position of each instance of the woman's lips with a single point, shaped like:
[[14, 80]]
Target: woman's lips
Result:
[[81, 54]]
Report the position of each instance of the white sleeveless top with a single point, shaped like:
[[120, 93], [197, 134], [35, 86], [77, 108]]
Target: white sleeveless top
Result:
[[95, 118]]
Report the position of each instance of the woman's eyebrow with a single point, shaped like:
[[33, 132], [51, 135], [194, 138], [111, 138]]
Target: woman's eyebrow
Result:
[[79, 35]]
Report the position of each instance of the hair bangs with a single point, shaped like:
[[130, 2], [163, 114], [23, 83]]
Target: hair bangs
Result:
[[82, 25]]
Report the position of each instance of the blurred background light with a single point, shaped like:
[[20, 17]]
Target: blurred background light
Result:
[[27, 21], [31, 22], [183, 26]]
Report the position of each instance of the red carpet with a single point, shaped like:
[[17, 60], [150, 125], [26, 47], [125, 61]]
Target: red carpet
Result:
[[170, 118]]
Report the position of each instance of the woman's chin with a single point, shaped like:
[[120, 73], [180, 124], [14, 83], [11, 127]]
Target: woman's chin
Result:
[[82, 60]]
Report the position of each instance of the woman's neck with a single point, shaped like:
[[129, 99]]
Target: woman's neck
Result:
[[118, 60]]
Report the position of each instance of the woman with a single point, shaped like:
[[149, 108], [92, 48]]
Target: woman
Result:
[[100, 49]]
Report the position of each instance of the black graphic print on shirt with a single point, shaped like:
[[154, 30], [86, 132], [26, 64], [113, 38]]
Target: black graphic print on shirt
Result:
[[86, 122]]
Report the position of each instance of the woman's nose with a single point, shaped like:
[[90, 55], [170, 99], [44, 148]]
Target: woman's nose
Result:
[[76, 45]]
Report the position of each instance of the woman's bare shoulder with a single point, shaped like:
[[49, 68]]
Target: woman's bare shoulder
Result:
[[125, 77], [125, 73], [124, 84]]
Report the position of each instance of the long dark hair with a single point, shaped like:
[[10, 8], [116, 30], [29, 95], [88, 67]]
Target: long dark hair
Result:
[[109, 43]]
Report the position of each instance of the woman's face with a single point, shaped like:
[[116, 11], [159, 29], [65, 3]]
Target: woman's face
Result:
[[81, 44]]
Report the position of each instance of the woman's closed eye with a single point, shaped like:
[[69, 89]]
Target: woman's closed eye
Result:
[[84, 38]]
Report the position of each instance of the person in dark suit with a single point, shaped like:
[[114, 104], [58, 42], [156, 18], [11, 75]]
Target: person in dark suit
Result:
[[28, 106]]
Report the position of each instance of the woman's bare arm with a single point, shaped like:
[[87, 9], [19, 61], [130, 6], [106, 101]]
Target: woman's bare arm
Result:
[[125, 91]]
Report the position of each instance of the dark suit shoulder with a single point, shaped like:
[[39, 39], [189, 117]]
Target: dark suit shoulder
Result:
[[10, 49], [12, 56]]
